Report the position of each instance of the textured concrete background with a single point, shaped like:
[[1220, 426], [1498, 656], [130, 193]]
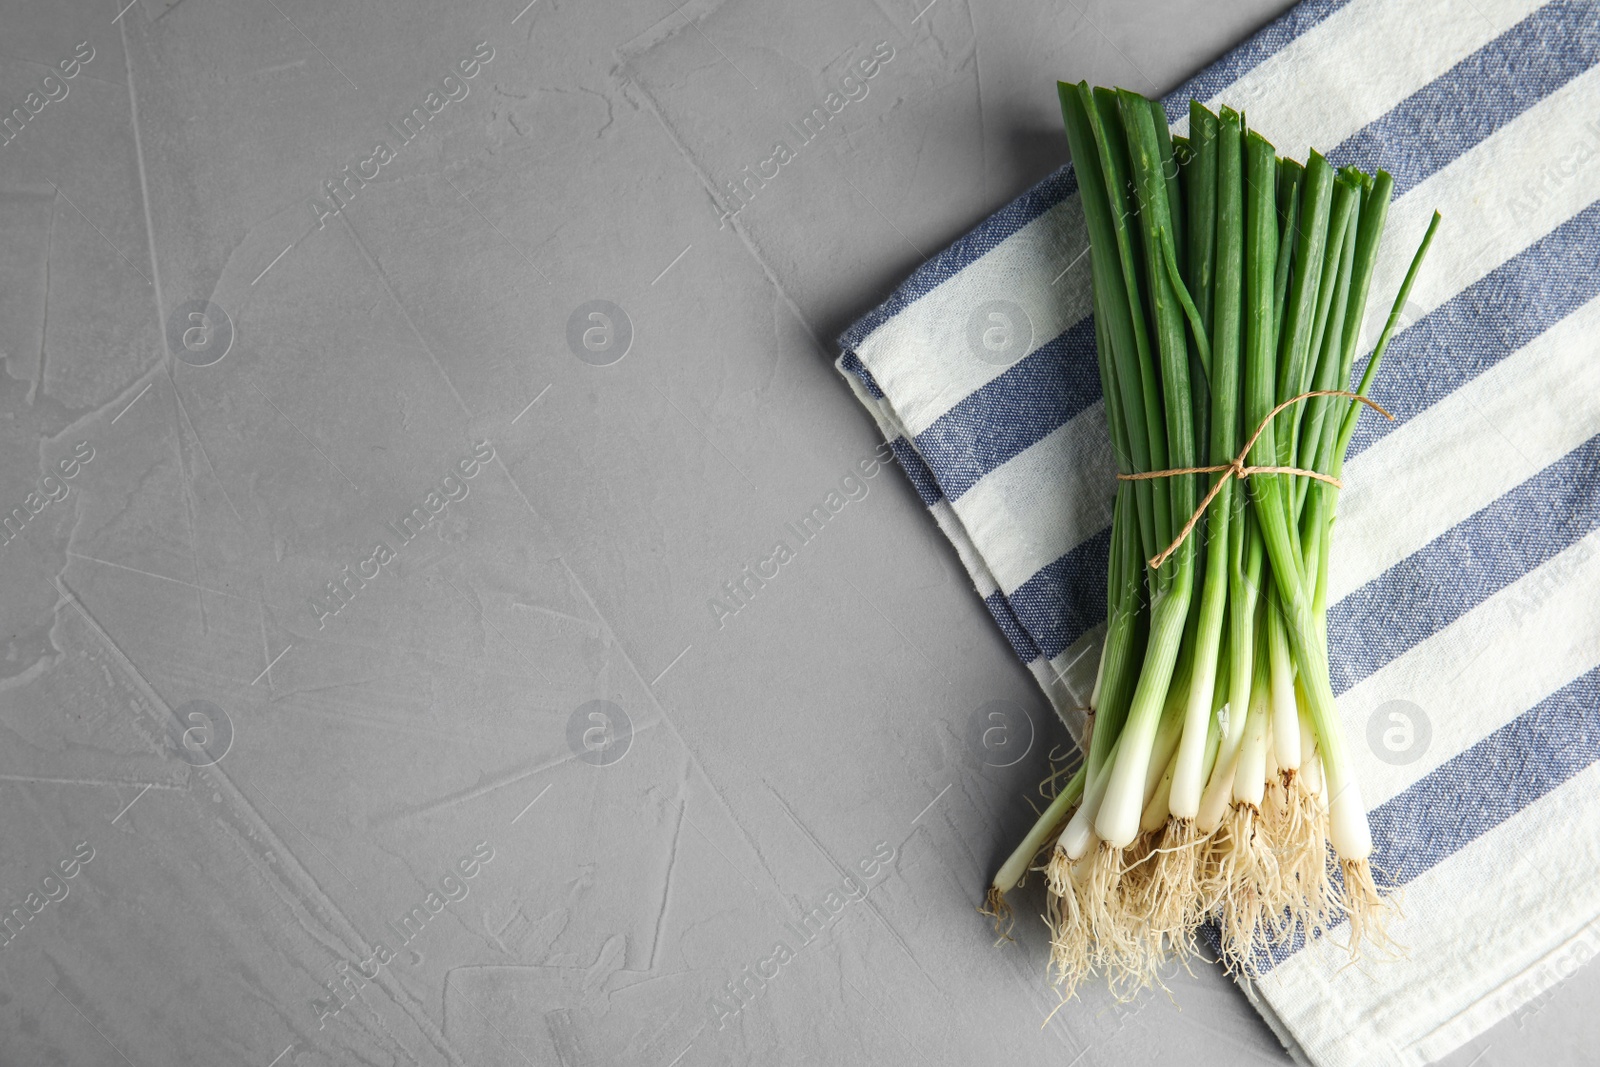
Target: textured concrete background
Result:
[[509, 790]]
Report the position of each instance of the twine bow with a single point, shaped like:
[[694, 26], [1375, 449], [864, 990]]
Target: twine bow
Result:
[[1237, 468]]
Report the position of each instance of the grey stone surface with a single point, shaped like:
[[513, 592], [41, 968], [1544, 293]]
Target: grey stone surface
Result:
[[517, 749]]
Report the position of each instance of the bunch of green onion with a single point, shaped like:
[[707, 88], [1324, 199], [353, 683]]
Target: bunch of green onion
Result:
[[1227, 281]]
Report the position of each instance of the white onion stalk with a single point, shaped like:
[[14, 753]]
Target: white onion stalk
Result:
[[1079, 833], [1015, 867], [1117, 823], [1188, 770], [1159, 806], [1285, 708], [1217, 798], [1188, 767], [1249, 780], [1311, 772], [1348, 831], [1308, 751]]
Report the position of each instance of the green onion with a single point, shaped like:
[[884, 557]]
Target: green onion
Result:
[[1228, 283]]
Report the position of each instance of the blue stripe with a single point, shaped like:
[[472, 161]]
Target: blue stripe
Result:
[[1472, 793], [1067, 598], [1479, 95], [1262, 46], [1490, 320], [922, 479], [1457, 571], [947, 264], [1031, 400], [1021, 643], [1484, 786]]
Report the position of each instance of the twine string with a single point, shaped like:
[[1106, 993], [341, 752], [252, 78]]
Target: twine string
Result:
[[1238, 469]]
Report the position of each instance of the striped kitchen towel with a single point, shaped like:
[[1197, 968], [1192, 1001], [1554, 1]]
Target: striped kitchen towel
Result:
[[1466, 622]]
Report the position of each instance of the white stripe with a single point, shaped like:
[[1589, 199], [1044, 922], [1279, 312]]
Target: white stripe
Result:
[[946, 519], [1549, 861], [1029, 511], [944, 515], [1069, 678], [971, 558], [882, 411], [1483, 670], [923, 357], [1466, 966], [1468, 450]]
